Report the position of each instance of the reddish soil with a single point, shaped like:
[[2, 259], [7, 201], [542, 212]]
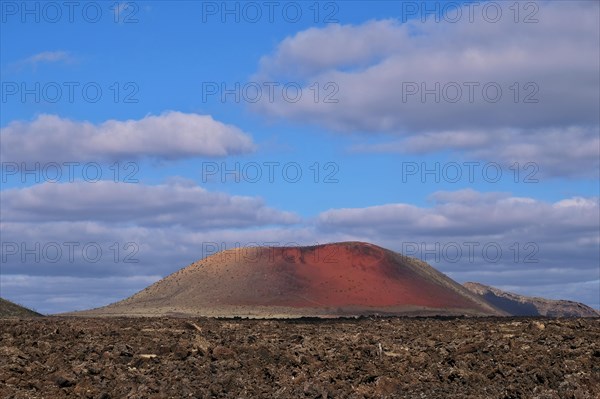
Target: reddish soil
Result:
[[104, 358], [334, 279]]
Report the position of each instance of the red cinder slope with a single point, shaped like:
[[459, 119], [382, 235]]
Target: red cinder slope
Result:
[[349, 278]]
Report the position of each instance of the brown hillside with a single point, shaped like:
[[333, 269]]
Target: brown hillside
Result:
[[520, 305], [9, 309], [350, 278]]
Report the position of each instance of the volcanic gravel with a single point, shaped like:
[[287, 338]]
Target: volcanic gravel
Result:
[[104, 358]]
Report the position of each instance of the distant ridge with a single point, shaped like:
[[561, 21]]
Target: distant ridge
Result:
[[339, 279], [10, 309], [520, 305]]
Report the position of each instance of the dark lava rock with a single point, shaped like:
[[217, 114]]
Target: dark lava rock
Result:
[[342, 358]]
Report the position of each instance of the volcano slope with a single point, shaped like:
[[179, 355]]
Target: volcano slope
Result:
[[521, 305], [341, 279], [9, 309]]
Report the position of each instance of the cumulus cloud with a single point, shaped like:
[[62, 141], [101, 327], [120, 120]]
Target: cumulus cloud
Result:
[[315, 50], [467, 213], [559, 55], [385, 69], [571, 151], [171, 135], [144, 205]]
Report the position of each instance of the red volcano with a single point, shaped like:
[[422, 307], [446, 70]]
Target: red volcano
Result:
[[350, 278]]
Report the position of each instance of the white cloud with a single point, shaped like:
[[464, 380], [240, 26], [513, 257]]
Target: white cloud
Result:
[[49, 56], [577, 202], [559, 55], [467, 213], [159, 205], [374, 64], [568, 151], [171, 135], [46, 57], [315, 50]]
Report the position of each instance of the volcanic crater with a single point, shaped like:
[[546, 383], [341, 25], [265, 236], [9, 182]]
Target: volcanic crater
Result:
[[339, 279]]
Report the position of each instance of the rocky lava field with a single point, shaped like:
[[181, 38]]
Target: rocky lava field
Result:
[[101, 358]]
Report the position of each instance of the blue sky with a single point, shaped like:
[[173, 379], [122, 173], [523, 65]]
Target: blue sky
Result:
[[499, 102]]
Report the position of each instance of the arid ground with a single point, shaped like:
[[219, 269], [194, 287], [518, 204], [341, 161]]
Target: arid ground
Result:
[[58, 357]]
